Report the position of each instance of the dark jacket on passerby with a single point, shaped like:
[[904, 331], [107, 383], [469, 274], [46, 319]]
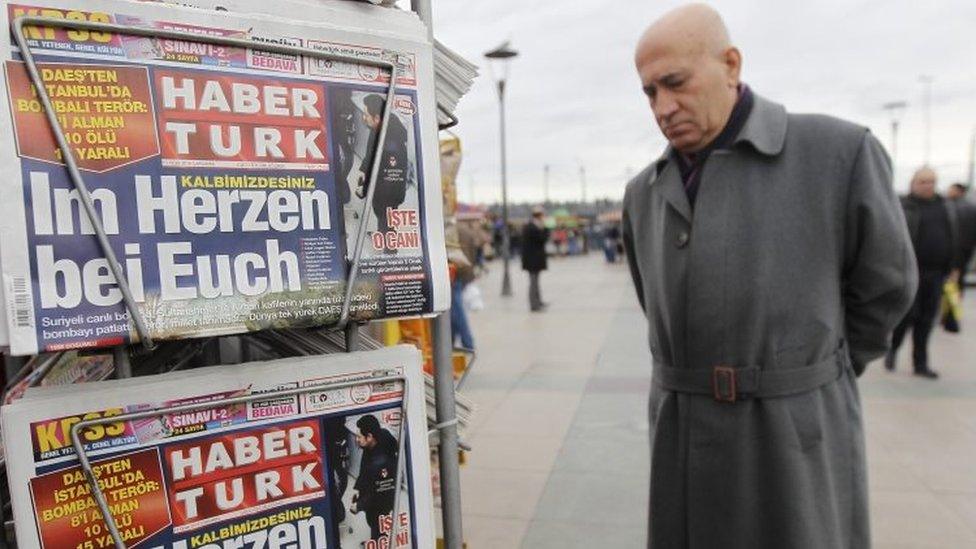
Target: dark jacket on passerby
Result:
[[966, 217], [534, 248], [794, 259], [934, 230]]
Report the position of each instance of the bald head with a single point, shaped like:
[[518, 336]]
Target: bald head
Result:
[[690, 73], [923, 183], [695, 29]]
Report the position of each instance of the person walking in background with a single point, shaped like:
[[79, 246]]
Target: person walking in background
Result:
[[966, 217], [464, 274], [934, 231], [572, 242], [611, 240], [772, 261], [534, 237]]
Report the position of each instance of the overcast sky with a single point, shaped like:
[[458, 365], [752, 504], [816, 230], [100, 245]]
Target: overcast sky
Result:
[[574, 99]]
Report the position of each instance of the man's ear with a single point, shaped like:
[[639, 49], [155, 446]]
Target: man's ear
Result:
[[732, 58]]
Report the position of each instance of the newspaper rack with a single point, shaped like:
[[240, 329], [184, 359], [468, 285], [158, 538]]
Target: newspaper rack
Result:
[[68, 155], [444, 386]]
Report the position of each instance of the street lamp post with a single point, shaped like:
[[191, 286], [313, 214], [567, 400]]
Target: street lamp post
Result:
[[545, 184], [926, 81], [894, 108], [500, 57], [971, 179], [583, 186]]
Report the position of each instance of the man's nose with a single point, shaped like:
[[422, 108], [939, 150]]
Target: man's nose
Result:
[[664, 106]]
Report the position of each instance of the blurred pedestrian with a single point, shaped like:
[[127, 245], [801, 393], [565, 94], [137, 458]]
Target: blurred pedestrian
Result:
[[463, 274], [572, 242], [764, 308], [611, 241], [966, 215], [534, 261], [934, 231], [559, 240], [472, 240]]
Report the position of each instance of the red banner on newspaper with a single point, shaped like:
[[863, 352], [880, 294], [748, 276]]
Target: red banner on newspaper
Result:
[[237, 121], [68, 516], [105, 112], [221, 477]]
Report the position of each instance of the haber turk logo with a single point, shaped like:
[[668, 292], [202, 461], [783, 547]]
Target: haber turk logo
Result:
[[105, 112], [216, 478], [235, 121]]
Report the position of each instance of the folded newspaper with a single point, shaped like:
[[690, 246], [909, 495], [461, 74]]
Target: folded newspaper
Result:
[[314, 469], [454, 77], [230, 182]]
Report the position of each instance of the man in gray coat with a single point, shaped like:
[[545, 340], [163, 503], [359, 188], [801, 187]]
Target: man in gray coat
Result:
[[772, 260]]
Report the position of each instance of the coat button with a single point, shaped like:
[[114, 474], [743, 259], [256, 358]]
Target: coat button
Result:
[[682, 240]]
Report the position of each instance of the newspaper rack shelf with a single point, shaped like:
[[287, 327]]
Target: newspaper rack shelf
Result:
[[446, 417]]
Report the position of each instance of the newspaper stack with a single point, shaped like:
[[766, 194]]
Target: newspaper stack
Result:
[[464, 407], [317, 468], [65, 368], [454, 77], [304, 342], [230, 182]]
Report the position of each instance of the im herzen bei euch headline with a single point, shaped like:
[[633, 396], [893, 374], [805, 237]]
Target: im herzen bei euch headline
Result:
[[203, 207]]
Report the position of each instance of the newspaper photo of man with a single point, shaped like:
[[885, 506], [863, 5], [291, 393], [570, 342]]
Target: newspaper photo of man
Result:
[[375, 487], [357, 117], [391, 182]]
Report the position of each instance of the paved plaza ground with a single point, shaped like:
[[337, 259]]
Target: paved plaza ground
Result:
[[560, 450]]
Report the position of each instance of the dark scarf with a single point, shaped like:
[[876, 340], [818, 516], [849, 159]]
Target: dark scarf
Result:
[[691, 165]]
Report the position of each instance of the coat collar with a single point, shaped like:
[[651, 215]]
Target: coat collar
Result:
[[765, 130]]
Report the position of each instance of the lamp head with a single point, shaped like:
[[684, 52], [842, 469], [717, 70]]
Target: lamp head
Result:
[[498, 59]]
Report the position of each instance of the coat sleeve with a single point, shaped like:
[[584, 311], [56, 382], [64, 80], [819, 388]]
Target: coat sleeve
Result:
[[879, 274], [628, 238]]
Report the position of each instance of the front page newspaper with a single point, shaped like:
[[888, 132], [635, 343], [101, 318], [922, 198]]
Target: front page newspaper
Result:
[[309, 471], [230, 182]]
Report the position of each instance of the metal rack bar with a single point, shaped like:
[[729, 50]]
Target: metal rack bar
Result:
[[353, 337], [43, 368], [447, 454], [79, 183], [99, 495], [450, 475]]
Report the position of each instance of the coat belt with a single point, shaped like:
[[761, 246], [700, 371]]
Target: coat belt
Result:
[[730, 383]]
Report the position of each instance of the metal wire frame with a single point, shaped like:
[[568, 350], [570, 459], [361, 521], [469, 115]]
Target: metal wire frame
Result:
[[89, 472], [78, 181]]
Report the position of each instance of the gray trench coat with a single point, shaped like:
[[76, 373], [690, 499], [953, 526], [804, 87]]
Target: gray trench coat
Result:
[[796, 258]]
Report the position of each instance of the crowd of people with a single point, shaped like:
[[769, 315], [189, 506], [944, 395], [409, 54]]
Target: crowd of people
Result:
[[532, 242]]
